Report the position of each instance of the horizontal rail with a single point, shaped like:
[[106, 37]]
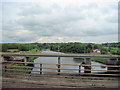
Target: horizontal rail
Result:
[[61, 64], [61, 68], [65, 72], [59, 55], [8, 66]]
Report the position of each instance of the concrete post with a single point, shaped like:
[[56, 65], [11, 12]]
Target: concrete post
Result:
[[87, 62], [26, 59], [112, 61], [2, 59]]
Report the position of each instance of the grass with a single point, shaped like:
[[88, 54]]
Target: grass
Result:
[[25, 67], [22, 68], [32, 59], [31, 51], [19, 68], [103, 60], [100, 60], [13, 50]]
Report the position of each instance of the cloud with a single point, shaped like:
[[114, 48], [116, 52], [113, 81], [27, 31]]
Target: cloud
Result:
[[31, 22]]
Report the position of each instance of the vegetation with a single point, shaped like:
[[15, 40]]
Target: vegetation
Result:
[[19, 68], [32, 59], [31, 51], [12, 50], [100, 60], [106, 48]]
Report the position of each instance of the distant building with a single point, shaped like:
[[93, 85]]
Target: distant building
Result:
[[96, 51]]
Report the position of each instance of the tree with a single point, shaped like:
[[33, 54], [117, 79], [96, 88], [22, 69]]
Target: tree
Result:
[[23, 47], [4, 48], [104, 51]]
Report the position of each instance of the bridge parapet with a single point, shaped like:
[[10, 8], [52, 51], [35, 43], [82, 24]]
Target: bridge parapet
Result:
[[60, 55]]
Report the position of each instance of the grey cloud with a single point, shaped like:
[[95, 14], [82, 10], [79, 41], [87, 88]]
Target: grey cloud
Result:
[[55, 23], [36, 21], [33, 10], [112, 19]]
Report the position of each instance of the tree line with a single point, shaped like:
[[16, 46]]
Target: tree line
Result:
[[76, 47]]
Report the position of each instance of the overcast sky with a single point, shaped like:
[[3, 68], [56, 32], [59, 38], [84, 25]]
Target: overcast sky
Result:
[[60, 21]]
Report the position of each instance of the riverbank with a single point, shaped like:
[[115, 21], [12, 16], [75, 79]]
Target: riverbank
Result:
[[103, 60], [100, 60]]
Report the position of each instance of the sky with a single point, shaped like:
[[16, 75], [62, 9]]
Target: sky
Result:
[[51, 21]]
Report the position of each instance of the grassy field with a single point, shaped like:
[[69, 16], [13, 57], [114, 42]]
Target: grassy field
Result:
[[13, 50], [30, 51], [19, 68], [25, 67]]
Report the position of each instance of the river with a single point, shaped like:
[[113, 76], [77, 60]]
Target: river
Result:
[[64, 60]]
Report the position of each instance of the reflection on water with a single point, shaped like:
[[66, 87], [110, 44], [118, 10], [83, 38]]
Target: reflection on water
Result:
[[64, 60]]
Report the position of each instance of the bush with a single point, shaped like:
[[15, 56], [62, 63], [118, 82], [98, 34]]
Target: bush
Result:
[[23, 48]]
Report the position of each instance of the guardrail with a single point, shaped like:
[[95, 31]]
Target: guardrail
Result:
[[8, 66]]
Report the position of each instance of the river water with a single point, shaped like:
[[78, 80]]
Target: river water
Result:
[[64, 60]]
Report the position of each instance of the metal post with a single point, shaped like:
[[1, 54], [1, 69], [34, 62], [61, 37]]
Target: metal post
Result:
[[59, 62], [79, 69], [5, 68], [41, 69]]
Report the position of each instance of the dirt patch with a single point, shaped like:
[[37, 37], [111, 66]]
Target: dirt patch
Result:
[[23, 85]]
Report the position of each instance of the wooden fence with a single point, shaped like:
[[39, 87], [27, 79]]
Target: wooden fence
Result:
[[9, 66]]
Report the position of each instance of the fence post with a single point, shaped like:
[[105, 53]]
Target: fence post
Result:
[[25, 60], [2, 59], [59, 62], [79, 69], [112, 61], [41, 69], [5, 68]]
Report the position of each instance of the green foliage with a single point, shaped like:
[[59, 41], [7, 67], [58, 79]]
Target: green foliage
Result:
[[32, 59], [23, 48], [118, 51], [4, 48], [19, 68], [31, 51], [113, 48], [13, 50], [104, 50]]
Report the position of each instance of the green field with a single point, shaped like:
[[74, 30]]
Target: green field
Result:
[[13, 50], [30, 51], [19, 68]]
